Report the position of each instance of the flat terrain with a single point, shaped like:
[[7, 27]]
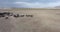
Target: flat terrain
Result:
[[42, 21]]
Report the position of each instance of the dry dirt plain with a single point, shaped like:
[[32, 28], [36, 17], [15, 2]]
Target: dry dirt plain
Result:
[[47, 20]]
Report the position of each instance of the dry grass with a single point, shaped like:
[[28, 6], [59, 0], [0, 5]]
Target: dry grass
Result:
[[42, 21]]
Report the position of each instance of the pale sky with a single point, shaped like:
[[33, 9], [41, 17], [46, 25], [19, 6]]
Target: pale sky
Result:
[[29, 3]]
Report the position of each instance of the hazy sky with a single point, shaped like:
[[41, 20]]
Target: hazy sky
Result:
[[29, 3]]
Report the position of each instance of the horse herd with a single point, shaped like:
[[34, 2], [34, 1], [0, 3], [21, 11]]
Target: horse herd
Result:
[[7, 14]]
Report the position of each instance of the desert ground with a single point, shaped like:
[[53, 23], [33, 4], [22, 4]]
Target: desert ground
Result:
[[43, 20]]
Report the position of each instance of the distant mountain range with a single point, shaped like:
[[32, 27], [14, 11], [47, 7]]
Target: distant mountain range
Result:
[[57, 7]]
